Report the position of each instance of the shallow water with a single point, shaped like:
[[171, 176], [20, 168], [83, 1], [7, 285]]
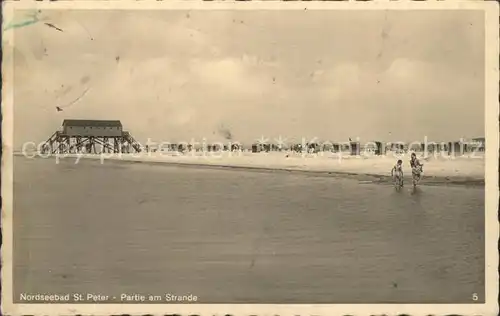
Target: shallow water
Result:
[[237, 236]]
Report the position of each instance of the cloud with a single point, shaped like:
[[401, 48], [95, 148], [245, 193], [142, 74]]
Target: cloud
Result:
[[228, 76], [414, 95], [167, 75]]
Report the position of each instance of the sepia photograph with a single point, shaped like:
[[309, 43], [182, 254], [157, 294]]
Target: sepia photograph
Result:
[[207, 156]]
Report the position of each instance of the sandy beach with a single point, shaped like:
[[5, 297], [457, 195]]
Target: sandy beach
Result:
[[438, 169]]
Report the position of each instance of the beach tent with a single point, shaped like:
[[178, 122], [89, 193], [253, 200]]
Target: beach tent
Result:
[[379, 148], [478, 143], [335, 147], [355, 148], [255, 148], [455, 148]]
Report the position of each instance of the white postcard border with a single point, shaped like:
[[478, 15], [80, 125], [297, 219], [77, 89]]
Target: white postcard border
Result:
[[491, 178]]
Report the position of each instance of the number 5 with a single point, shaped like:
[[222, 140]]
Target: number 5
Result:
[[474, 297]]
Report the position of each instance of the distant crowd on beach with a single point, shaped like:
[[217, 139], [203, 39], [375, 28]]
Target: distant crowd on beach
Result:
[[354, 148], [351, 147]]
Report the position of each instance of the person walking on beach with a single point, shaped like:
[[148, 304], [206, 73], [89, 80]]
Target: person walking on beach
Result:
[[397, 174], [416, 169]]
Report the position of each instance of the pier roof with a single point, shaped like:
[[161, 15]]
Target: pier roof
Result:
[[96, 123]]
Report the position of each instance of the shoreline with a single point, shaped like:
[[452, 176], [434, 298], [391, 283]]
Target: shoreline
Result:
[[367, 178]]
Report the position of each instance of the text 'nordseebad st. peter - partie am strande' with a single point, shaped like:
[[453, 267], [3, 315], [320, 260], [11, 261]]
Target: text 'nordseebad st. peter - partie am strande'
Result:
[[101, 298]]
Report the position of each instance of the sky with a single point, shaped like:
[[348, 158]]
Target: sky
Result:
[[191, 75]]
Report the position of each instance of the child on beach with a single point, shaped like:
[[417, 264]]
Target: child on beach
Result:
[[397, 174], [416, 169]]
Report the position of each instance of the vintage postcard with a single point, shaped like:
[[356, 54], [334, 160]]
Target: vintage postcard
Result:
[[250, 158]]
